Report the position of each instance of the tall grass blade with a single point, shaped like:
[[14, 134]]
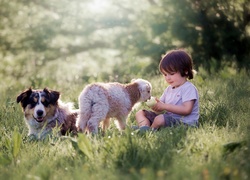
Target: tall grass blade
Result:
[[16, 140], [85, 145]]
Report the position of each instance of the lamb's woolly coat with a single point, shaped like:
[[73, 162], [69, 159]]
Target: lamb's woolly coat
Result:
[[102, 101]]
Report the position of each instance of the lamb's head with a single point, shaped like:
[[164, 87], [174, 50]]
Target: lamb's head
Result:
[[145, 89]]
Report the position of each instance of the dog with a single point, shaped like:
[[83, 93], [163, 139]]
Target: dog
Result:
[[43, 111], [102, 101]]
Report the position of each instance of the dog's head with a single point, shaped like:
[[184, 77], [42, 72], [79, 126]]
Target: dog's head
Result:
[[38, 104], [145, 88]]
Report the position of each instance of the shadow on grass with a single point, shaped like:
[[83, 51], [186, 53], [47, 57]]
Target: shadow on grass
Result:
[[149, 151]]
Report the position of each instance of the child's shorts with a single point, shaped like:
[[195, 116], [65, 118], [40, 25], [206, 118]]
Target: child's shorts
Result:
[[169, 120]]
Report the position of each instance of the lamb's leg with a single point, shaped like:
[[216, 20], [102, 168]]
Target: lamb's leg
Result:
[[121, 123], [84, 112], [81, 122], [105, 124], [98, 114], [92, 125]]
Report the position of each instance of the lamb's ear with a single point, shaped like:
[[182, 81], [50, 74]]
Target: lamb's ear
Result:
[[149, 87], [24, 97], [133, 80]]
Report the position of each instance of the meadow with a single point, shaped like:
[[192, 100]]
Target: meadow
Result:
[[218, 149]]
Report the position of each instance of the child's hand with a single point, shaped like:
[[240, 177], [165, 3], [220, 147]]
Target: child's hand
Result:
[[159, 106]]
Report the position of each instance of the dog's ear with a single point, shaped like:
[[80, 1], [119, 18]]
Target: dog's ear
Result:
[[24, 97], [53, 95]]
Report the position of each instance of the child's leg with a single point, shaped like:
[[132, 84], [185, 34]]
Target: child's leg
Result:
[[159, 121], [165, 120], [141, 119]]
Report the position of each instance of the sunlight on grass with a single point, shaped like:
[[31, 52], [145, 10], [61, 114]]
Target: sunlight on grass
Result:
[[218, 149]]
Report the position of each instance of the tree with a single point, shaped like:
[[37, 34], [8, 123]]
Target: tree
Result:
[[36, 33], [215, 32], [212, 30]]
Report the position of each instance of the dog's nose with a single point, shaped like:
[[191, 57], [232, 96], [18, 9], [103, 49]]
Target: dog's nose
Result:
[[39, 113]]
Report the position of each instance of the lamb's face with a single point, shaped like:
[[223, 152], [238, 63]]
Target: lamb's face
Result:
[[145, 88]]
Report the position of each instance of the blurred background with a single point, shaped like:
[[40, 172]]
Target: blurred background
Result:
[[72, 41]]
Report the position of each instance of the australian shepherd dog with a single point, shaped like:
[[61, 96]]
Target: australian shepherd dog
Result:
[[43, 111]]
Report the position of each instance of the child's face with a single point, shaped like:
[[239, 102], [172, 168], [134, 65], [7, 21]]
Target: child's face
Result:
[[174, 79]]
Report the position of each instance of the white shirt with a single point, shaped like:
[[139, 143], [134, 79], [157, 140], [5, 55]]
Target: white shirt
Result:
[[179, 95]]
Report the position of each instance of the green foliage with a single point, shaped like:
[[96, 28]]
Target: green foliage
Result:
[[218, 149], [65, 45], [94, 34], [84, 145], [16, 143], [11, 147]]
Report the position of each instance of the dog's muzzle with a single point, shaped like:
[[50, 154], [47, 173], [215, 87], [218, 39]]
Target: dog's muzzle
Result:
[[39, 116]]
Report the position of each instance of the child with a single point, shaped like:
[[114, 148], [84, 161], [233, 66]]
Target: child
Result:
[[180, 99]]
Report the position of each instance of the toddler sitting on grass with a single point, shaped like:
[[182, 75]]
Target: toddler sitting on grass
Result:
[[179, 101]]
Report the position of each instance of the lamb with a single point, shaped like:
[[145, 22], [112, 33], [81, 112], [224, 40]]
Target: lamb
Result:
[[102, 101]]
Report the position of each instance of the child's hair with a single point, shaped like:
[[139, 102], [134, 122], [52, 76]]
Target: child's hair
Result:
[[177, 61]]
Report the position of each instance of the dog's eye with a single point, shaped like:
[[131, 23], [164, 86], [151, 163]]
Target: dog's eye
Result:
[[35, 99], [32, 103], [45, 101]]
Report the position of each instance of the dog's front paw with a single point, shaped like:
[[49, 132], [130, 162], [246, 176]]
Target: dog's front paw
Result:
[[32, 137]]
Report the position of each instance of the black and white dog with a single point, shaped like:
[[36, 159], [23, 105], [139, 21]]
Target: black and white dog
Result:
[[43, 111]]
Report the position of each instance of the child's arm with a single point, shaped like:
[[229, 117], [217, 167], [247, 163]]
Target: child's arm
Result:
[[184, 109]]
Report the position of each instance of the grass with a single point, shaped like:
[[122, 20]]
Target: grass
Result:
[[218, 149]]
